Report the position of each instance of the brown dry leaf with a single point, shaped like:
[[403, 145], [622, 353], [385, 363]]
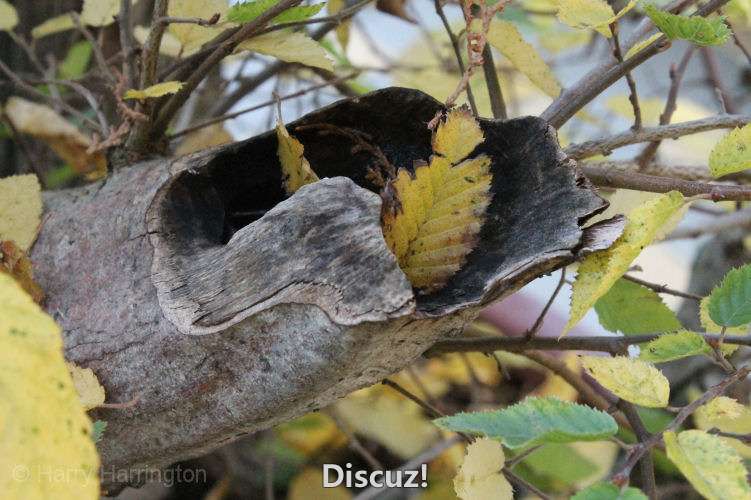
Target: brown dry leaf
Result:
[[14, 261], [44, 123], [397, 8]]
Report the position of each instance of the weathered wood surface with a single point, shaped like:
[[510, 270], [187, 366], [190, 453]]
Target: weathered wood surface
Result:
[[194, 285]]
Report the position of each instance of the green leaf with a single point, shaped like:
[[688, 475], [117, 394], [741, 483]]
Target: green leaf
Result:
[[632, 309], [76, 60], [248, 11], [97, 430], [696, 29], [560, 462], [710, 465], [535, 421], [673, 346], [732, 153], [609, 491], [730, 302]]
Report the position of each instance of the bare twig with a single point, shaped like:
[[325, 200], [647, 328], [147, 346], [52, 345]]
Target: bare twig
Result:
[[457, 51], [125, 22], [646, 465], [191, 20], [676, 76], [605, 145], [150, 55], [662, 288], [641, 182], [738, 42], [737, 219], [521, 483], [497, 104], [714, 79], [633, 97], [95, 48], [532, 332]]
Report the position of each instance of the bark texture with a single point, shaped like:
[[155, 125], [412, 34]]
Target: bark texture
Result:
[[195, 286]]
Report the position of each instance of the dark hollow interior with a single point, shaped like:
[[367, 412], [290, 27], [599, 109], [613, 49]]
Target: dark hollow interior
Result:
[[538, 202]]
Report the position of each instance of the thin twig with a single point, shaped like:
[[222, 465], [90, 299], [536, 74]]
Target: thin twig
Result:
[[457, 51], [127, 46], [676, 76], [633, 97], [738, 42], [641, 182], [714, 78], [191, 20], [532, 332], [663, 288], [96, 48], [737, 219], [497, 104], [646, 465], [521, 483], [605, 145]]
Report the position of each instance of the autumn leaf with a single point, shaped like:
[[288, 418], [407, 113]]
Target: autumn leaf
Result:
[[44, 123], [170, 45], [592, 14], [480, 475], [157, 90], [296, 171], [630, 379], [8, 16], [190, 35], [100, 12], [90, 391], [20, 209], [45, 428], [205, 137], [342, 29], [308, 485], [505, 37], [431, 220], [732, 153], [57, 24], [600, 270], [16, 263], [641, 45], [290, 47]]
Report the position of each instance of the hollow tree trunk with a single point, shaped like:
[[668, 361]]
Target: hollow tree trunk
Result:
[[194, 286]]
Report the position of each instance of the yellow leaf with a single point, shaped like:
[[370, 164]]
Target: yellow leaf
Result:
[[90, 391], [431, 221], [733, 153], [206, 137], [308, 485], [342, 29], [504, 36], [721, 407], [709, 464], [43, 122], [458, 136], [8, 16], [193, 36], [16, 263], [631, 379], [599, 270], [99, 12], [394, 422], [593, 14], [170, 45], [556, 386], [20, 209], [158, 90], [480, 476], [46, 450], [639, 46], [311, 433], [296, 171], [57, 24], [290, 47], [727, 417]]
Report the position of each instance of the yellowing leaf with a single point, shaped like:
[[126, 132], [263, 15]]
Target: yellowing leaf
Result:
[[721, 407], [8, 16], [505, 37], [46, 434], [733, 153], [396, 423], [594, 14], [458, 136], [16, 263], [310, 433], [57, 24], [20, 209], [431, 220], [90, 391], [158, 90], [290, 47], [712, 327], [99, 12], [599, 270], [480, 475], [639, 46], [308, 485], [170, 45], [342, 29], [727, 416], [709, 464], [296, 171], [630, 379], [206, 137], [193, 36], [43, 122]]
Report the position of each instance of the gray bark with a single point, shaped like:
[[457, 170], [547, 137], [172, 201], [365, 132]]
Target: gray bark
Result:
[[221, 328]]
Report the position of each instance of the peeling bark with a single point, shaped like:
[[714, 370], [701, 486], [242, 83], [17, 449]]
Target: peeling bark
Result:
[[195, 286]]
